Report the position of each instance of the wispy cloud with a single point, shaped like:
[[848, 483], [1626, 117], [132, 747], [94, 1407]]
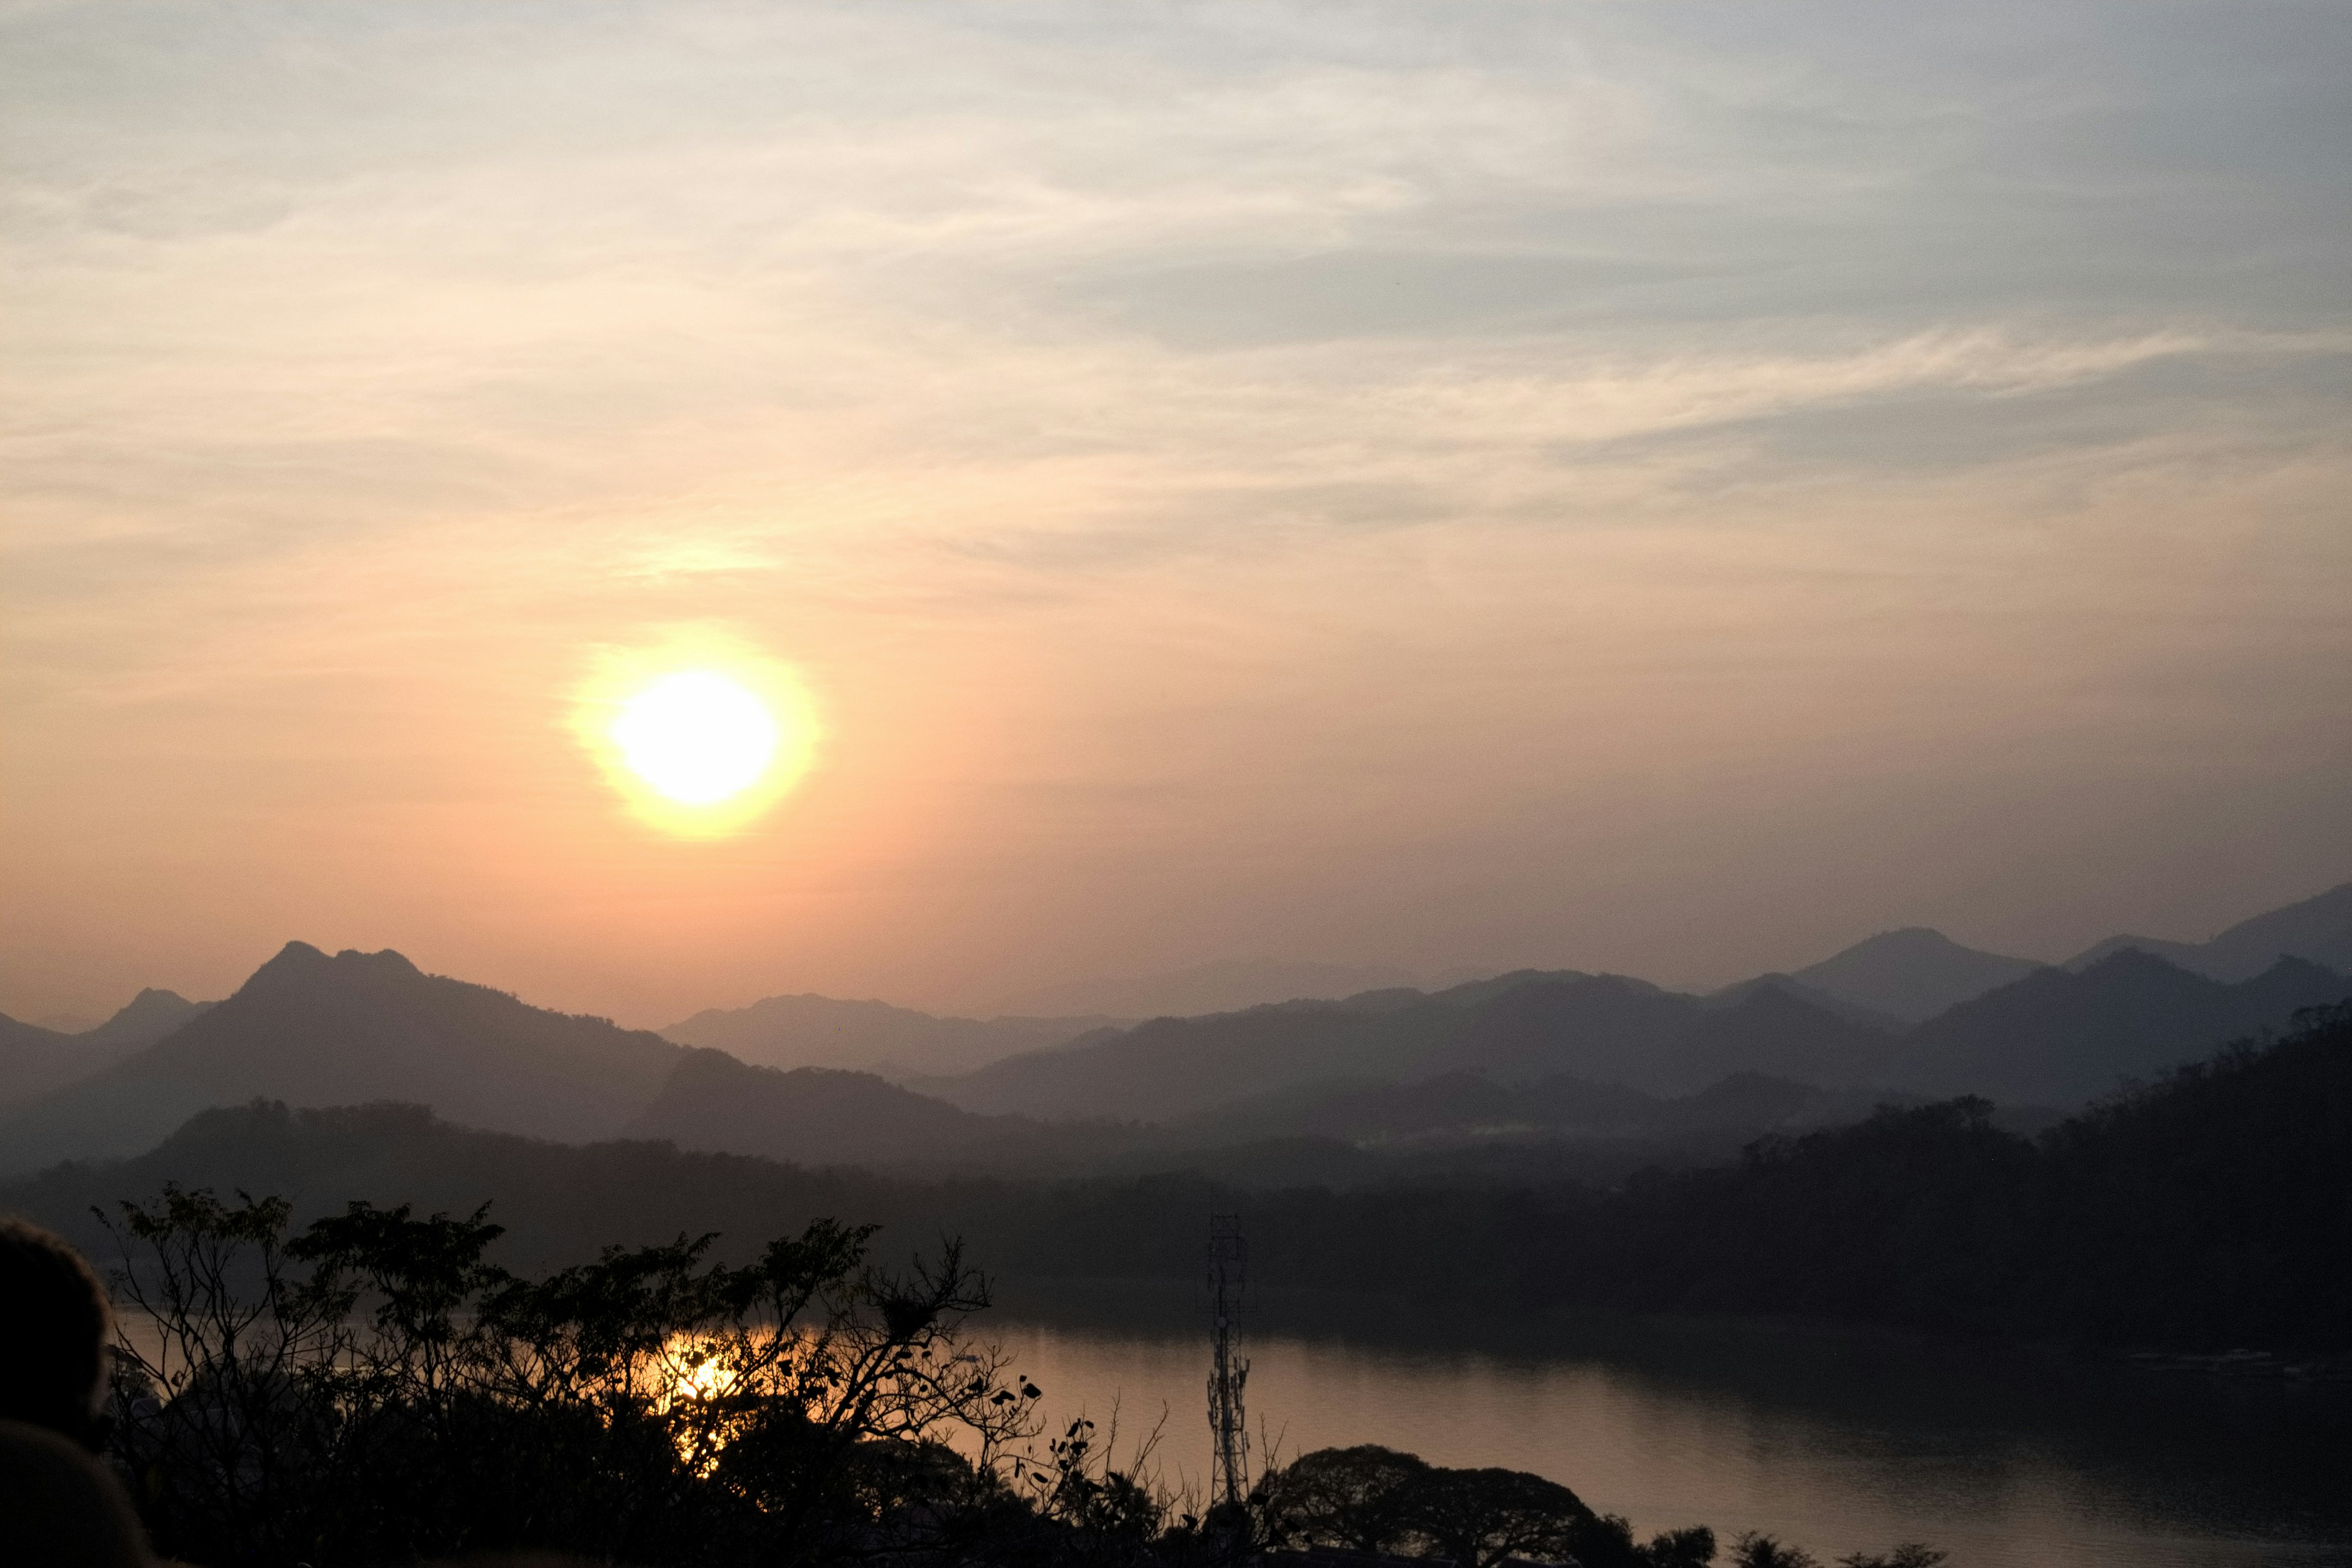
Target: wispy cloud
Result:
[[1250, 392]]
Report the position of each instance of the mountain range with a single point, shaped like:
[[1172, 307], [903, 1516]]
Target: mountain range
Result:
[[1914, 973], [2061, 1036], [2053, 1038], [355, 1028], [1530, 1055], [822, 1115], [2318, 930], [1605, 1028]]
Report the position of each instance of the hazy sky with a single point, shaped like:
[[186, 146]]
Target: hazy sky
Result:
[[1671, 488]]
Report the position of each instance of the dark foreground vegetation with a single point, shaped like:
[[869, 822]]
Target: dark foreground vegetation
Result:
[[371, 1390]]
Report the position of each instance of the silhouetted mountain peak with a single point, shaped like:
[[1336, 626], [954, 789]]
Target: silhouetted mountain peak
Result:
[[1619, 1030], [143, 1020], [2132, 969], [35, 1061], [299, 968], [2290, 967], [384, 962], [2128, 973], [294, 961], [2318, 929], [1912, 943], [2109, 946], [314, 1030], [1470, 992], [1912, 972], [2060, 1037], [151, 1005]]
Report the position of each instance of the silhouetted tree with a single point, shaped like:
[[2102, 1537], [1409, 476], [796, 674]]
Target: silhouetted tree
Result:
[[1358, 1498], [1910, 1554], [401, 1396], [1754, 1550], [1475, 1519], [1373, 1500], [1689, 1548]]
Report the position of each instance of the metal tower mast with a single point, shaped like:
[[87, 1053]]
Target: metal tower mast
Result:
[[1228, 1430]]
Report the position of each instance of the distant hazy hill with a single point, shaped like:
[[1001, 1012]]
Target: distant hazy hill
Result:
[[1515, 1028], [145, 1019], [2047, 1038], [2059, 1037], [34, 1060], [1605, 1026], [1171, 1067], [1616, 1030], [2318, 930], [810, 1031], [1229, 986], [817, 1116], [315, 1030], [1812, 995], [1913, 973]]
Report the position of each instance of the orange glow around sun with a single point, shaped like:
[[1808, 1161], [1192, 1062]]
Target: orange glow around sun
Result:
[[699, 736]]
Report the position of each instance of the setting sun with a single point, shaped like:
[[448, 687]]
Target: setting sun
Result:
[[698, 738], [700, 732]]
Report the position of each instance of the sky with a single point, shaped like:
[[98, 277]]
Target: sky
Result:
[[1668, 488]]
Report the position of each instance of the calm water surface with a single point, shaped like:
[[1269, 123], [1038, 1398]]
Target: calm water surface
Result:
[[1838, 1441]]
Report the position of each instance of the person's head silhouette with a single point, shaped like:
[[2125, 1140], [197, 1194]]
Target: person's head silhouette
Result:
[[56, 1329], [57, 1504]]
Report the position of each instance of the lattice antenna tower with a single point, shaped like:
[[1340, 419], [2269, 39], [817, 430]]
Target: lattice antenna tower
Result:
[[1228, 1429]]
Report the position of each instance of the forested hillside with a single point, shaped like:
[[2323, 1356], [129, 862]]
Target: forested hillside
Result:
[[2210, 1210]]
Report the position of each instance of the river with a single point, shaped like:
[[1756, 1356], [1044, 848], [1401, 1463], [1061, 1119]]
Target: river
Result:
[[1835, 1440]]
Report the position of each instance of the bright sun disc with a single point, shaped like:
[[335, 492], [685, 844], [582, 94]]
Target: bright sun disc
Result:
[[697, 738], [701, 733]]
